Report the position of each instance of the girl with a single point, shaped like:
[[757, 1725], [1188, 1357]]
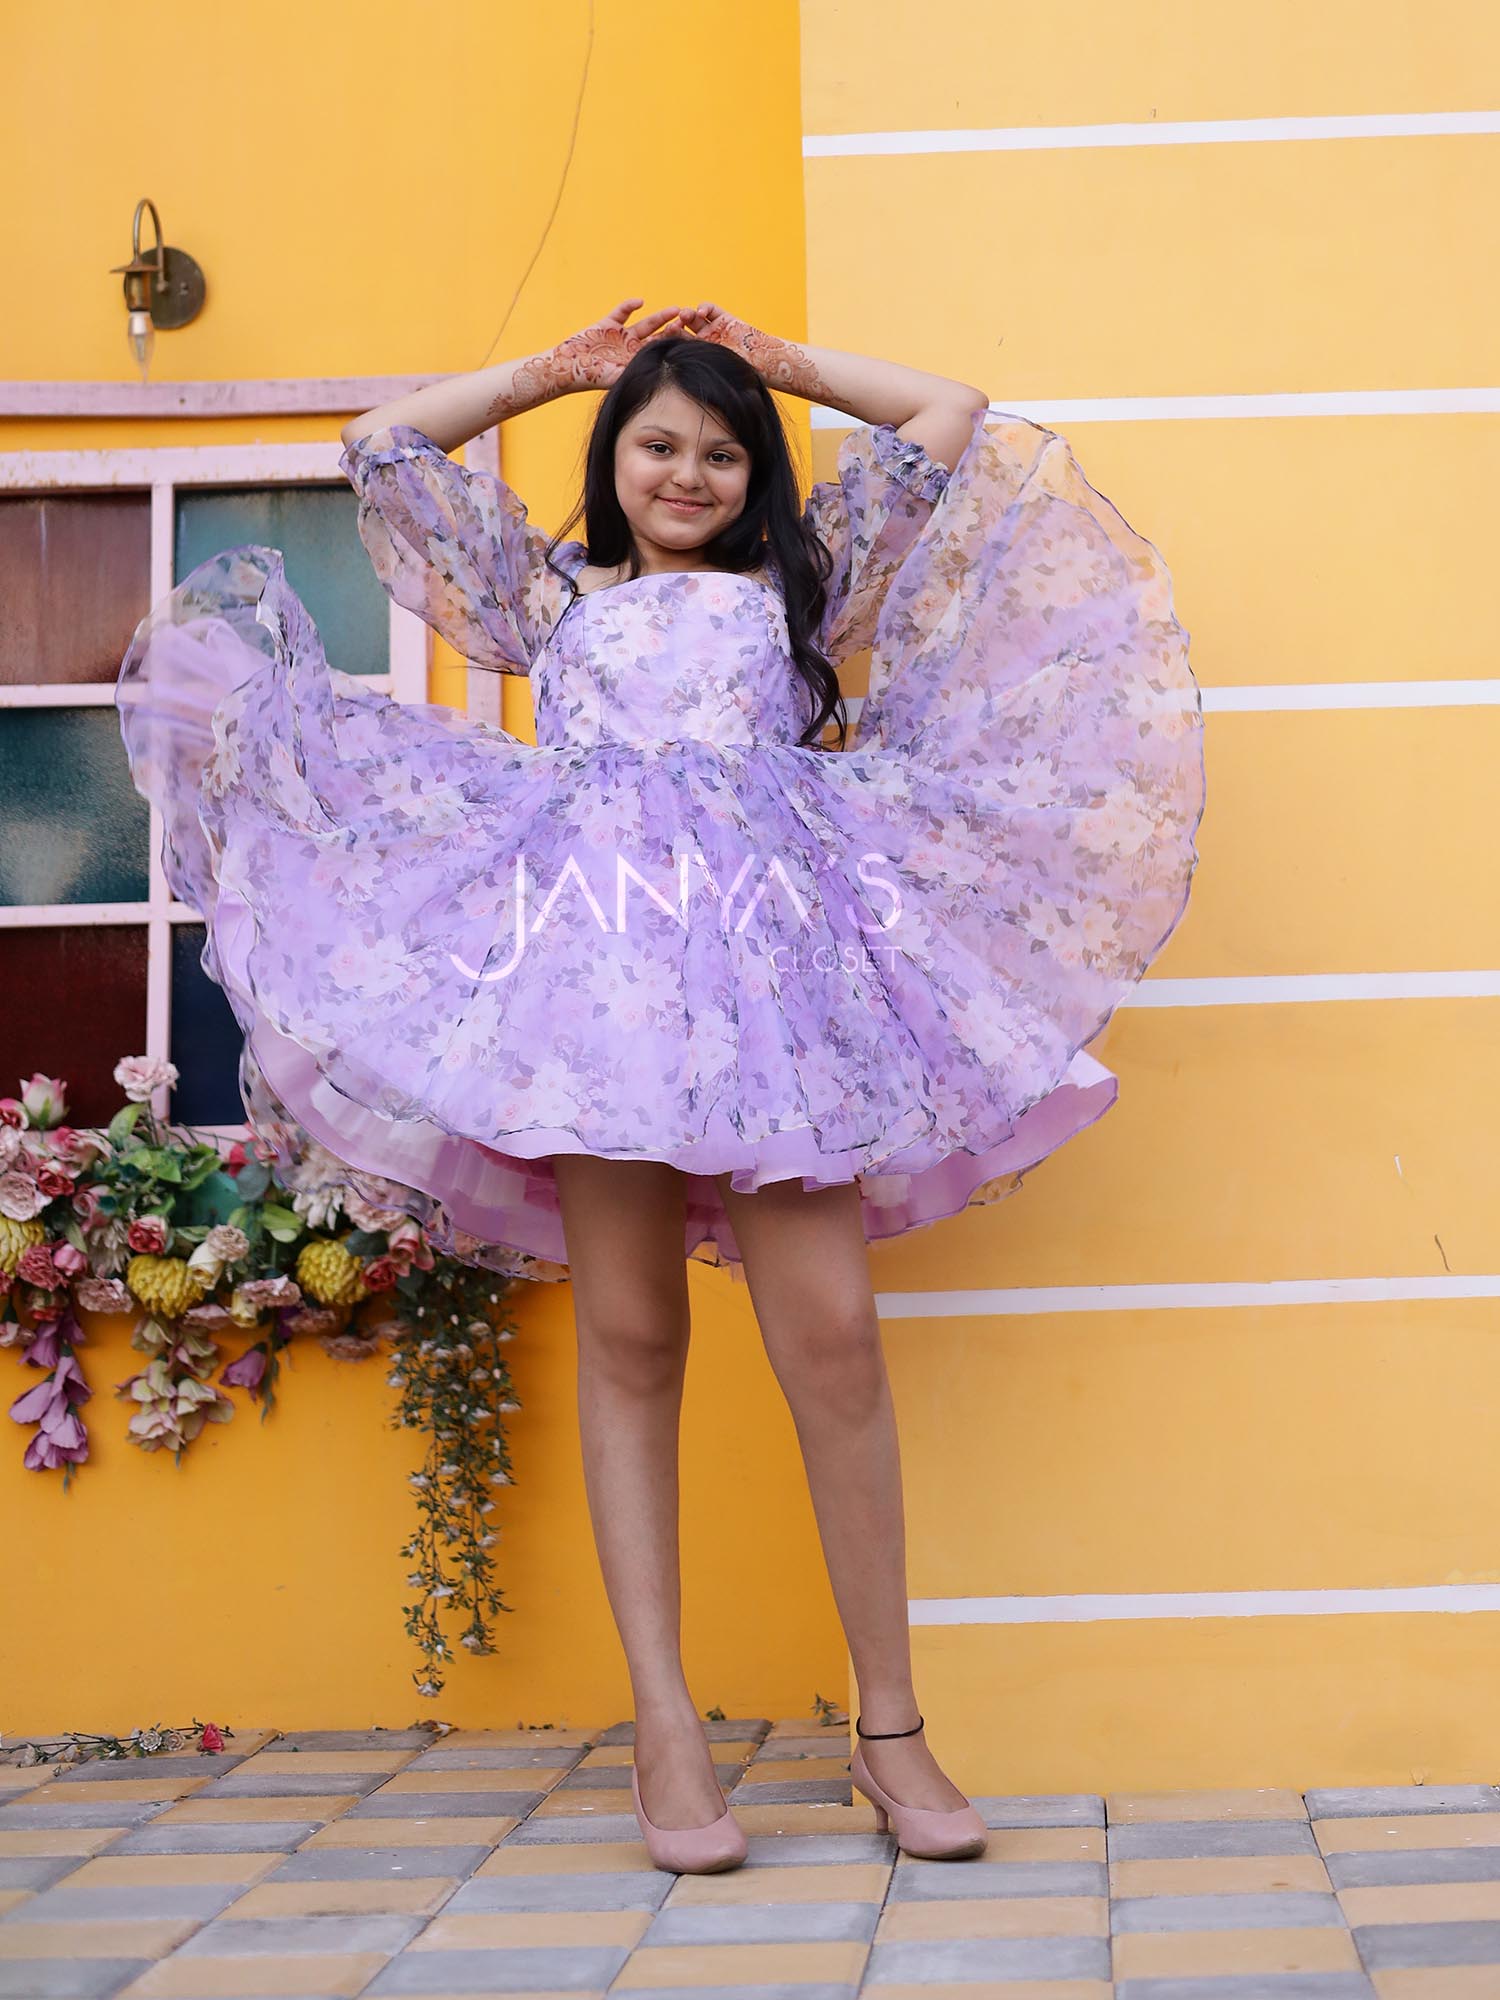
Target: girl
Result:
[[683, 978]]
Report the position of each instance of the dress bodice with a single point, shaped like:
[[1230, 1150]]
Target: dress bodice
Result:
[[684, 654]]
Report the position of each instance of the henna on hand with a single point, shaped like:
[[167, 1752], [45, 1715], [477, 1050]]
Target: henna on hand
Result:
[[781, 364], [593, 358]]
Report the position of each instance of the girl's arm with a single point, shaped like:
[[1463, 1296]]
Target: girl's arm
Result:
[[458, 408], [934, 409]]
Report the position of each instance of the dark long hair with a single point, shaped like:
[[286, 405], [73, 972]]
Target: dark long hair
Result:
[[769, 530]]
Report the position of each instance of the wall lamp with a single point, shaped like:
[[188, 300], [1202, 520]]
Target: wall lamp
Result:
[[162, 289]]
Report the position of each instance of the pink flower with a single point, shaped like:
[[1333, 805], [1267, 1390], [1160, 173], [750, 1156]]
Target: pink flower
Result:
[[12, 1111], [37, 1268], [264, 1293], [408, 1246], [149, 1233], [44, 1100], [85, 1203], [213, 1738], [235, 1158], [140, 1076], [247, 1372], [75, 1149], [20, 1197], [54, 1180], [381, 1273], [102, 1295], [51, 1401], [69, 1259], [44, 1349]]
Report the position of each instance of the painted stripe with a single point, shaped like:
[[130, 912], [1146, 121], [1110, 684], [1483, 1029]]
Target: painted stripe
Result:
[[1028, 1300], [1306, 695], [1151, 132], [1058, 410], [1100, 1607], [1302, 988]]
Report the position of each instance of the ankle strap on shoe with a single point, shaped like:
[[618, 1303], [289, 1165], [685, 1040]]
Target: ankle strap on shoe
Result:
[[878, 1735]]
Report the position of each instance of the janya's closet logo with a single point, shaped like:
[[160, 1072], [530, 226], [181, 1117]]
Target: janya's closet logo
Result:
[[752, 883]]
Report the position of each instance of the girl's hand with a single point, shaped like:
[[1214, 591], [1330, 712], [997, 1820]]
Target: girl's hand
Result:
[[779, 363], [596, 357]]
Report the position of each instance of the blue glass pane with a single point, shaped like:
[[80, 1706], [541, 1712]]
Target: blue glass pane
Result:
[[73, 828], [326, 564], [205, 1039]]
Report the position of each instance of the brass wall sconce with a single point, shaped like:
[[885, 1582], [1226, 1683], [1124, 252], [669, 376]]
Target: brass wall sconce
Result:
[[163, 289]]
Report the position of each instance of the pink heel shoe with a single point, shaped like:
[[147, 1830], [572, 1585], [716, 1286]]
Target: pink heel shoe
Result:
[[921, 1831], [691, 1850]]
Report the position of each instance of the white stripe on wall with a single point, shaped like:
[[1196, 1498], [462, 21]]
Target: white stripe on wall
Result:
[[1094, 1608], [1151, 132], [1301, 988], [1027, 1300], [1058, 410]]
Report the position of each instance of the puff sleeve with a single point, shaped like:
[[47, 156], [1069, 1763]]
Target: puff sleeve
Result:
[[869, 517], [453, 545]]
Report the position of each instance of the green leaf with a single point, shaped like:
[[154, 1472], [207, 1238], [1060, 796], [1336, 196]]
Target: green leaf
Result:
[[123, 1123], [283, 1223]]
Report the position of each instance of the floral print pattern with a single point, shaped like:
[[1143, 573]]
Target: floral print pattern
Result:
[[667, 931]]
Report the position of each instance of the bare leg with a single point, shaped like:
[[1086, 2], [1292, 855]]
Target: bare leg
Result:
[[623, 1222], [808, 1273]]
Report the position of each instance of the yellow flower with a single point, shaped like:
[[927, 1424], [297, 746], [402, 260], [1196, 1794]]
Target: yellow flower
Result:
[[330, 1273], [164, 1285], [16, 1238]]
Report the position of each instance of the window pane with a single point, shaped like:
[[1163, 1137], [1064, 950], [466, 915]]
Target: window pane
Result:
[[74, 1003], [75, 577], [205, 1039], [73, 828], [314, 527]]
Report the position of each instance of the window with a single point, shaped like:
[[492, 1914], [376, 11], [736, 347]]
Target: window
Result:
[[97, 960]]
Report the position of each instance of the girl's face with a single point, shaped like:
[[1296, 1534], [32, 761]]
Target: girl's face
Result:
[[672, 450]]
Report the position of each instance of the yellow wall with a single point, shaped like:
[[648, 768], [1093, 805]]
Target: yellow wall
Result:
[[1259, 1447], [365, 188]]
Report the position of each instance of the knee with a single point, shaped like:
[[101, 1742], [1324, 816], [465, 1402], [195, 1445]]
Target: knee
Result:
[[635, 1347], [832, 1360]]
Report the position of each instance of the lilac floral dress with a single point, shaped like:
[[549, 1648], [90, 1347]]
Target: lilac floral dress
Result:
[[666, 931]]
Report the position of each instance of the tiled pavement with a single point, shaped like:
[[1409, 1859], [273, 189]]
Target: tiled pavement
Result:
[[509, 1862]]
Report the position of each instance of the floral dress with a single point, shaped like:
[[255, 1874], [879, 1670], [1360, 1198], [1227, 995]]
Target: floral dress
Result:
[[667, 930]]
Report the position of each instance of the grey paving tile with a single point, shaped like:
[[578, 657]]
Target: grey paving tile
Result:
[[572, 1829], [557, 1758], [444, 1805], [1200, 1839], [67, 1978], [1359, 1802], [1379, 1870], [1271, 1910], [785, 1991], [1251, 1986], [105, 1770], [803, 1850], [92, 1809], [735, 1729], [378, 1864], [610, 1889], [353, 1739], [267, 1836], [112, 1902], [941, 1881], [520, 1969], [235, 1937], [762, 1923], [251, 1784], [806, 1746], [987, 1958], [616, 1777], [793, 1792], [36, 1871], [1467, 1943], [1043, 1809]]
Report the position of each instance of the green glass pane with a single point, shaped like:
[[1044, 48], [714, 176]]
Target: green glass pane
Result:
[[326, 564], [73, 828]]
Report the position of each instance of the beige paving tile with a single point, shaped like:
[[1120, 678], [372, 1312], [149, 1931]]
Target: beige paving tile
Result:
[[522, 1780], [1422, 1982], [1423, 1903], [171, 1871], [1270, 1802], [806, 1819], [612, 1756], [797, 1725], [338, 1973], [1044, 1843], [11, 1899], [1216, 1954], [126, 1790], [1407, 1830], [579, 1800], [1219, 1875], [324, 1763], [248, 1812], [996, 1917], [741, 1965], [798, 1770], [21, 1939], [984, 1989], [485, 1930], [512, 1739], [390, 1896], [437, 1832], [823, 1882], [585, 1857], [58, 1840], [22, 1778]]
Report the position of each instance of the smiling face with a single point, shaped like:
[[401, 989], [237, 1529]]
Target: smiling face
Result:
[[673, 450]]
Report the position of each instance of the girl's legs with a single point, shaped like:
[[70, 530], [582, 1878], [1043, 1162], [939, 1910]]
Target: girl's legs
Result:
[[624, 1226], [806, 1264]]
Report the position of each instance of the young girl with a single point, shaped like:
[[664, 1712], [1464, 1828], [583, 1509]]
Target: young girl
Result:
[[689, 977]]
